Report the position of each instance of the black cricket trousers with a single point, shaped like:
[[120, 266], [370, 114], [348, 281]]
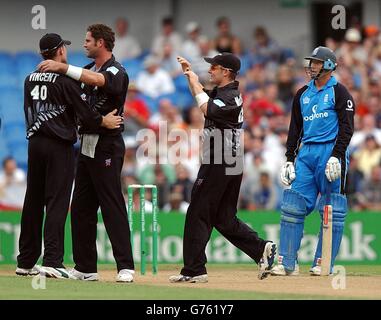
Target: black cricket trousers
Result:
[[214, 204], [49, 184], [98, 184]]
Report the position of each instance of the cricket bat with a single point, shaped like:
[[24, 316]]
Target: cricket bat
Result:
[[326, 256]]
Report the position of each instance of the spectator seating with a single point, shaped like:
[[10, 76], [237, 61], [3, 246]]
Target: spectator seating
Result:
[[25, 62], [8, 76], [4, 151], [78, 58], [245, 63], [133, 67], [152, 104], [11, 105]]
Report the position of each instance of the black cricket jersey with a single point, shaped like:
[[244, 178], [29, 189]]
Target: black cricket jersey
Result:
[[223, 123], [52, 105], [109, 97]]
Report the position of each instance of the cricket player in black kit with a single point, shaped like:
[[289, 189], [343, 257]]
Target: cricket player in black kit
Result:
[[52, 103], [98, 180], [216, 190]]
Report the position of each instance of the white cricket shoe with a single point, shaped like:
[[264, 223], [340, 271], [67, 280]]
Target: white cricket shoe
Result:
[[58, 273], [279, 270], [78, 275], [267, 260], [202, 278], [125, 275], [315, 271], [28, 272]]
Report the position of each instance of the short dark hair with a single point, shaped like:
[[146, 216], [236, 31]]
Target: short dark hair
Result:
[[101, 31], [260, 31], [167, 21], [7, 159], [222, 20]]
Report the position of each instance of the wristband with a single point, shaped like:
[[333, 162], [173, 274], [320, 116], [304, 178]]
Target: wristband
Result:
[[74, 72], [202, 98]]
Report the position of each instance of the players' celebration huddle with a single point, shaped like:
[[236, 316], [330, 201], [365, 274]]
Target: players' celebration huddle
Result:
[[63, 101]]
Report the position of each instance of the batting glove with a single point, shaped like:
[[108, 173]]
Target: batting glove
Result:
[[287, 173], [333, 169]]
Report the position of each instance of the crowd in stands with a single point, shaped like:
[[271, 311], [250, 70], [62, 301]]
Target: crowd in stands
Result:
[[269, 78], [12, 185]]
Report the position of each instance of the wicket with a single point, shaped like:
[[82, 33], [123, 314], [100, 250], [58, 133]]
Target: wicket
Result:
[[143, 251]]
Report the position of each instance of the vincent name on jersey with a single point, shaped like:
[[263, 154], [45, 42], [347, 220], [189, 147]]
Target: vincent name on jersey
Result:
[[46, 77]]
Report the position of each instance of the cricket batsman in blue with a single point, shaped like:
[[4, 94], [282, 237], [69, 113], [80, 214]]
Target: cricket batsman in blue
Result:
[[320, 130]]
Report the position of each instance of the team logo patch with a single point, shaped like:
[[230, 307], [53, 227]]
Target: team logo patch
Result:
[[349, 105], [113, 70], [306, 100], [108, 162], [219, 102]]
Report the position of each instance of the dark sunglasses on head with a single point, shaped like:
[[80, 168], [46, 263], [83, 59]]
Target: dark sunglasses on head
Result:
[[216, 66], [51, 49]]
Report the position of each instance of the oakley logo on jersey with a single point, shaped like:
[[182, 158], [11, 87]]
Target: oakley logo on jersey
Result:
[[315, 115]]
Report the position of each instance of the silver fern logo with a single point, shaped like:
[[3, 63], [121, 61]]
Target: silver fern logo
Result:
[[45, 111], [100, 103]]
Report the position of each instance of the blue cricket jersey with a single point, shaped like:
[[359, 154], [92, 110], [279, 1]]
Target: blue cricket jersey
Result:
[[321, 116]]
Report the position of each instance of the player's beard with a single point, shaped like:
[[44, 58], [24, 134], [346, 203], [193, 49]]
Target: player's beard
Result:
[[92, 53]]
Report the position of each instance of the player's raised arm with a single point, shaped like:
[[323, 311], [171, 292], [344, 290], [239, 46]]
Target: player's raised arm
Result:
[[98, 47], [77, 73], [195, 86]]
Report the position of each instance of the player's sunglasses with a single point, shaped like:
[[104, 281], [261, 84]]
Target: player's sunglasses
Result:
[[216, 67], [56, 47]]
